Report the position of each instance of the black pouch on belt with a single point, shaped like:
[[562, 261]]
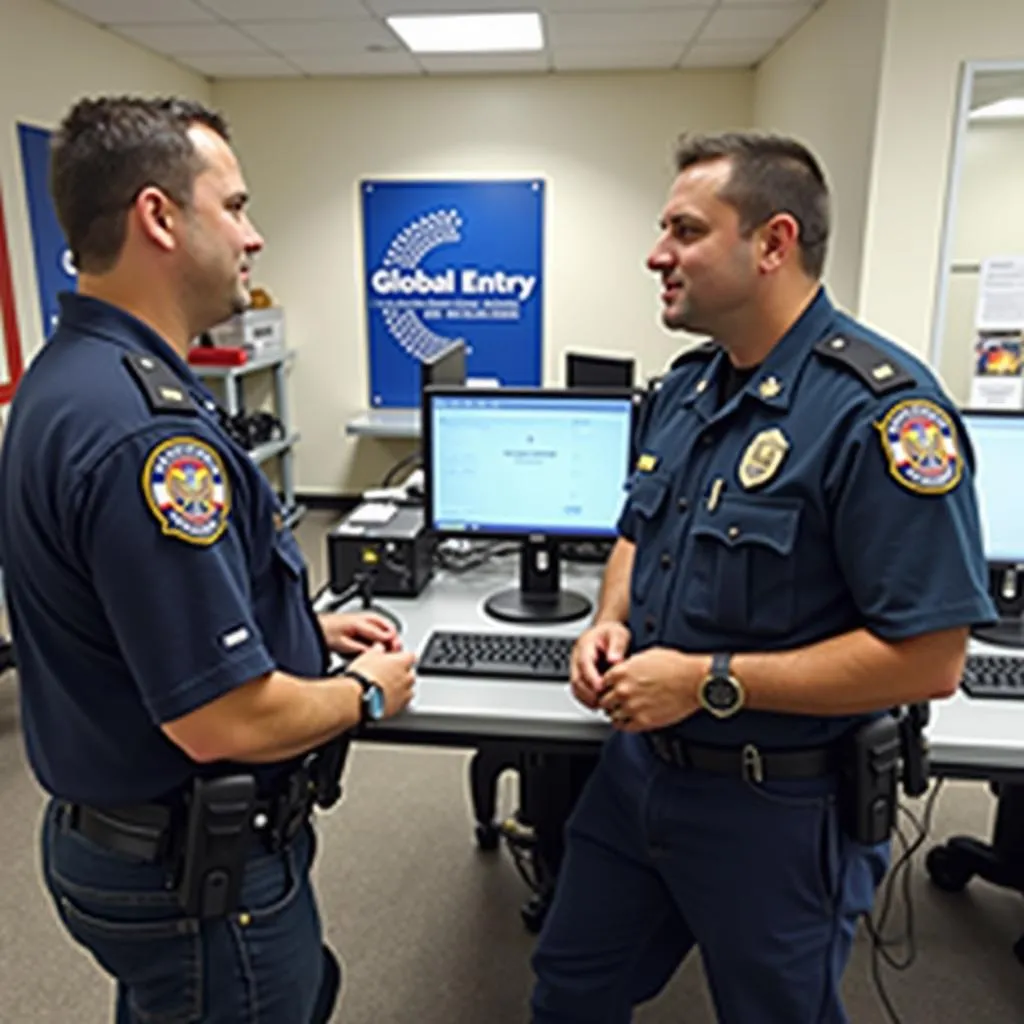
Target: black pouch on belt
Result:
[[869, 773], [217, 836]]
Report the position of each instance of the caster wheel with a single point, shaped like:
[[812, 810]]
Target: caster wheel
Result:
[[533, 913], [1018, 949], [947, 870], [486, 837]]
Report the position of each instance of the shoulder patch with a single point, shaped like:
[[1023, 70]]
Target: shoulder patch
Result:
[[704, 351], [163, 391], [877, 369], [186, 488], [920, 443]]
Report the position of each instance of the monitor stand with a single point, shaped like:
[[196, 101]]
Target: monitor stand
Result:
[[539, 597], [1004, 633]]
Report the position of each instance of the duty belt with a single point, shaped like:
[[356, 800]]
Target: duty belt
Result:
[[748, 762], [153, 832]]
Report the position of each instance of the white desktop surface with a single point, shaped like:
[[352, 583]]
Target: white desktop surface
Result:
[[967, 736]]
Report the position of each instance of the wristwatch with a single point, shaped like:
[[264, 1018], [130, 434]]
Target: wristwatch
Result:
[[721, 694], [373, 704]]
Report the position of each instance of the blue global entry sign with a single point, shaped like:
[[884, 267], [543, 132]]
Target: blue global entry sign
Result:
[[449, 261]]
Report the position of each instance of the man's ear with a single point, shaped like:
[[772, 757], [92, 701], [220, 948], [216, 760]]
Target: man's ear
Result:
[[779, 238], [157, 217]]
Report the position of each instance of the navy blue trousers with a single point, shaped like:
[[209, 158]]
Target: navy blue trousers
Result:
[[761, 878], [264, 963]]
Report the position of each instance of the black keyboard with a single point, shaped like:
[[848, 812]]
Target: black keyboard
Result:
[[532, 656], [994, 675]]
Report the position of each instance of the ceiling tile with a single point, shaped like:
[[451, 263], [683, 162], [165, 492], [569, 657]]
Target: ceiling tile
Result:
[[295, 10], [385, 7], [239, 65], [401, 63], [754, 3], [727, 55], [214, 38], [475, 63], [754, 22], [667, 7], [617, 58], [615, 29], [166, 12], [352, 35]]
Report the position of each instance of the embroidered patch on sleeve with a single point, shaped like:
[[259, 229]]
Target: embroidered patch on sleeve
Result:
[[186, 488], [919, 440]]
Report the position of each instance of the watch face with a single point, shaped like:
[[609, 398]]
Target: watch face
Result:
[[375, 704], [721, 693]]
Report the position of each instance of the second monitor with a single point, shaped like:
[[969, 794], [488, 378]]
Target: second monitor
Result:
[[538, 466], [586, 371]]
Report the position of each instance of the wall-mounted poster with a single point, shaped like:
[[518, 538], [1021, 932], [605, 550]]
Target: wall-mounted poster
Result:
[[54, 270], [997, 382], [447, 261]]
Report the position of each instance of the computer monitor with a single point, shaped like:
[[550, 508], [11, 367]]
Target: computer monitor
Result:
[[587, 371], [447, 367], [538, 466], [998, 440]]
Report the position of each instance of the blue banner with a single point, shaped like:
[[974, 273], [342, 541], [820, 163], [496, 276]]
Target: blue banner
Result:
[[449, 260], [54, 270]]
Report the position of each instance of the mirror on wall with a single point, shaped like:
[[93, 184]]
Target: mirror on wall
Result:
[[978, 333]]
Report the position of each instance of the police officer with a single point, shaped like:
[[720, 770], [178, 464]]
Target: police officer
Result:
[[170, 662], [799, 552]]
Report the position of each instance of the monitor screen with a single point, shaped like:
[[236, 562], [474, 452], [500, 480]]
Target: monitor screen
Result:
[[998, 442], [598, 371], [511, 463]]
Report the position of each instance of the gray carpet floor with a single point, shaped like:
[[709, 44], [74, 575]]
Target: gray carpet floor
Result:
[[429, 927]]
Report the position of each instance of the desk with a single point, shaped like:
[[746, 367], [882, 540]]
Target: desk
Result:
[[977, 739], [969, 738], [459, 711]]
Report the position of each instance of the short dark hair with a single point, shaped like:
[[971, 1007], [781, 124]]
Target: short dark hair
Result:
[[105, 152], [770, 174]]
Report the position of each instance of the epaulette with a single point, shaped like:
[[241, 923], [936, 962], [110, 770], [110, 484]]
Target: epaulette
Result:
[[704, 351], [163, 391], [876, 368]]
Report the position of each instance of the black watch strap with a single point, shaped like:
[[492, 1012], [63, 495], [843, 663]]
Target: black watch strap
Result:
[[720, 665], [364, 681]]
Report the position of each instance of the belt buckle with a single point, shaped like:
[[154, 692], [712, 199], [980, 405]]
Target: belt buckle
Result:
[[752, 764]]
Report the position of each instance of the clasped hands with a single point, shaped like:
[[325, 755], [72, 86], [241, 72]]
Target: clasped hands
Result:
[[352, 633], [650, 690]]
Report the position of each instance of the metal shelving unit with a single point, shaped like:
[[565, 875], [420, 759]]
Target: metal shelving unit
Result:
[[232, 378]]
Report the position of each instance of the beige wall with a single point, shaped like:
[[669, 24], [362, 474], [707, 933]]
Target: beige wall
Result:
[[821, 86], [48, 59], [989, 222], [926, 43], [602, 142]]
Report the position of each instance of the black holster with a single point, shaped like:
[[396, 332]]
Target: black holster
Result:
[[218, 832], [325, 768], [870, 771]]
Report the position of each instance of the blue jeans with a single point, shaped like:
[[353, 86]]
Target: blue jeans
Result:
[[762, 878], [263, 963]]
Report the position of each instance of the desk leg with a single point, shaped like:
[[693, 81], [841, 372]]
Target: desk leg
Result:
[[954, 864]]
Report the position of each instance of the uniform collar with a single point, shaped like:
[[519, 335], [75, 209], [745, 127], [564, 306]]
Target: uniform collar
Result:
[[774, 381], [102, 319]]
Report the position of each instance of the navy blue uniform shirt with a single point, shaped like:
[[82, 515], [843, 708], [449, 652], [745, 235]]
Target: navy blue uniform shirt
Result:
[[147, 568], [814, 502]]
